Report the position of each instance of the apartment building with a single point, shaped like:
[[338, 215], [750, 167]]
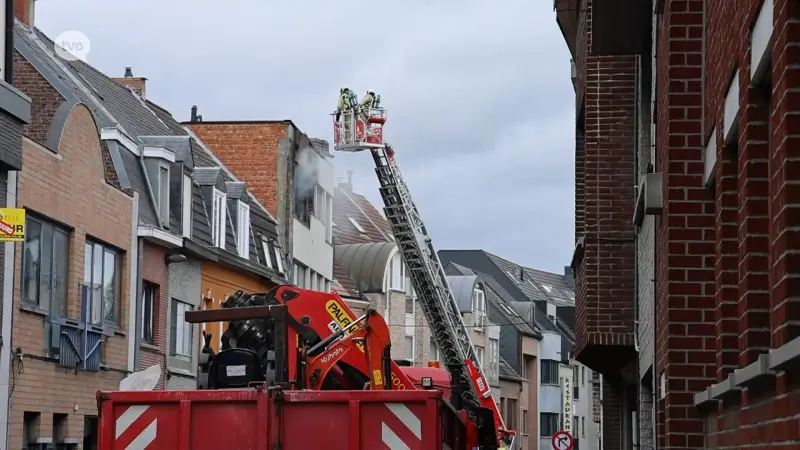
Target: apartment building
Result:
[[469, 293], [519, 346], [370, 273], [546, 303], [15, 112], [292, 175], [131, 298], [695, 270]]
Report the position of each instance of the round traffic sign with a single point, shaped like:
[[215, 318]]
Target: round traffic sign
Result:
[[563, 441]]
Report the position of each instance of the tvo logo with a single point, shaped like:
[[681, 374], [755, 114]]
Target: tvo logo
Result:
[[72, 45]]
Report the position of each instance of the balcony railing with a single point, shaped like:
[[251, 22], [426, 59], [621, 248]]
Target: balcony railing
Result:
[[80, 340]]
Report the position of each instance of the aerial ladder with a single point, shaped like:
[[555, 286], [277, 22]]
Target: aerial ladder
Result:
[[361, 129]]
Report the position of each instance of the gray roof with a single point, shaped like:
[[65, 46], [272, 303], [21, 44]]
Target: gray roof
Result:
[[497, 296], [507, 372], [462, 288], [524, 285], [144, 123], [365, 264]]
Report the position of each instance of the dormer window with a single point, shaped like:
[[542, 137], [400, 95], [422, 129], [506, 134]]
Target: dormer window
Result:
[[218, 219], [279, 260], [267, 253], [357, 225], [187, 206], [163, 194], [243, 230]]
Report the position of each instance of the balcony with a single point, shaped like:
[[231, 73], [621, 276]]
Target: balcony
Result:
[[81, 340]]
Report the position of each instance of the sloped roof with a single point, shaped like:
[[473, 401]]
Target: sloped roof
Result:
[[358, 224], [498, 297], [116, 106], [507, 372]]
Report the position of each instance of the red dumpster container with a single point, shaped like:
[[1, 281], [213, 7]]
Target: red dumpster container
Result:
[[290, 420]]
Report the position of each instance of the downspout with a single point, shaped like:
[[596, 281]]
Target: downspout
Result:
[[8, 77], [7, 312], [133, 304], [139, 292]]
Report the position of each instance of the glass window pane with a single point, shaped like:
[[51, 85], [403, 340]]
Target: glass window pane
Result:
[[97, 284], [109, 286], [60, 272], [30, 282], [46, 267]]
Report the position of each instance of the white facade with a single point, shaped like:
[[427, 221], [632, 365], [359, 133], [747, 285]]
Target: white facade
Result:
[[313, 244]]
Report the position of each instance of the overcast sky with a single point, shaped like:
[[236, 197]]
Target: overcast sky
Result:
[[478, 92]]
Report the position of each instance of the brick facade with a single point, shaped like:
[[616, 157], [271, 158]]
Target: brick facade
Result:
[[68, 188], [154, 273], [722, 258]]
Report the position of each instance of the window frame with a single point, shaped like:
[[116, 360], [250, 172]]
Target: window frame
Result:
[[243, 230], [56, 307], [153, 290], [547, 430], [303, 204], [174, 350], [552, 370], [279, 261], [88, 295], [218, 209], [410, 301], [409, 349], [494, 358], [480, 354], [267, 253], [163, 193]]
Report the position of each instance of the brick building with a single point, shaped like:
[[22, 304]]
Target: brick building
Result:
[[690, 102], [14, 113], [289, 173], [369, 271]]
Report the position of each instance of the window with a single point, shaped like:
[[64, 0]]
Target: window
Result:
[[147, 331], [479, 354], [181, 330], [279, 260], [409, 306], [408, 345], [303, 200], [583, 376], [101, 283], [243, 230], [301, 275], [218, 219], [329, 219], [525, 421], [433, 352], [267, 253], [45, 268], [357, 226], [549, 425], [576, 390], [187, 206], [163, 194], [397, 273], [478, 308], [494, 358], [583, 427], [550, 371], [511, 413]]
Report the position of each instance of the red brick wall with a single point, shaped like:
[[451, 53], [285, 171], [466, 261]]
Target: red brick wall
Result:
[[154, 271], [755, 247], [685, 246], [45, 100], [604, 198], [250, 151]]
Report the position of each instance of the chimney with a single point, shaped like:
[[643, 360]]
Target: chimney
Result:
[[135, 83], [193, 118], [521, 274], [347, 186], [23, 10]]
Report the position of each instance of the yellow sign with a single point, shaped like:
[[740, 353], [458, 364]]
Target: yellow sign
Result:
[[343, 319], [378, 378], [12, 225]]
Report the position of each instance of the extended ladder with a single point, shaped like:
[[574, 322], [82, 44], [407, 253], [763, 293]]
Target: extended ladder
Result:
[[427, 274]]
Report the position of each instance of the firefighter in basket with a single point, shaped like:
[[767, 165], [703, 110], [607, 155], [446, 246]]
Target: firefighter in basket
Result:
[[369, 102], [347, 103]]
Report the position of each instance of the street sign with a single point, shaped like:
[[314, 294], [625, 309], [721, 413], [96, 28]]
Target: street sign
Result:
[[563, 441]]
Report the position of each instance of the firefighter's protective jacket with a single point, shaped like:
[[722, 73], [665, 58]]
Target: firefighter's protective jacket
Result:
[[366, 102], [344, 102]]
